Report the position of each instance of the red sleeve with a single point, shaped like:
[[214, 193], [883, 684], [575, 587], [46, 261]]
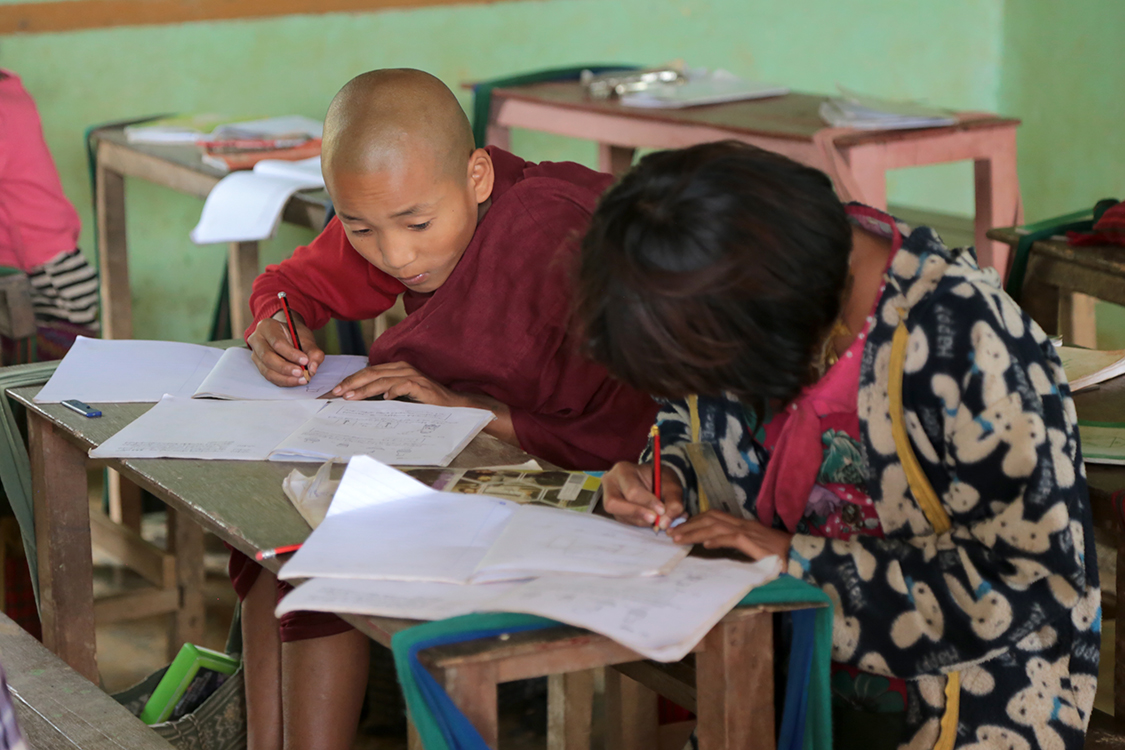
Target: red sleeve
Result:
[[589, 420], [322, 280], [584, 418]]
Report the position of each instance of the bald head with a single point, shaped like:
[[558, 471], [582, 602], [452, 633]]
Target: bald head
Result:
[[387, 119]]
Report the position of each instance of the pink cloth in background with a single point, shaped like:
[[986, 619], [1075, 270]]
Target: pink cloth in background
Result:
[[37, 222]]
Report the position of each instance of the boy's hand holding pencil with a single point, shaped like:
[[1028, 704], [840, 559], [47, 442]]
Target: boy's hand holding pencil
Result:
[[279, 361]]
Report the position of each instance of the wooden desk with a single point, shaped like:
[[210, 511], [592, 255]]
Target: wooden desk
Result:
[[1062, 281], [242, 503], [181, 169], [1107, 404], [785, 124]]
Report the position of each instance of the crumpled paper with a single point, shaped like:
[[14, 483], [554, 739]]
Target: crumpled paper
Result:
[[311, 496]]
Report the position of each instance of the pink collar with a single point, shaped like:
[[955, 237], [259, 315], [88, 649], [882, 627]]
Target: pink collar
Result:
[[793, 436]]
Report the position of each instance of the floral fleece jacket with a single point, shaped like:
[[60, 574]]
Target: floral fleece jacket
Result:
[[1009, 596]]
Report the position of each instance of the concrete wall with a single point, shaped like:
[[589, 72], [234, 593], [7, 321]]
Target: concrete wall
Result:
[[947, 53], [1063, 72]]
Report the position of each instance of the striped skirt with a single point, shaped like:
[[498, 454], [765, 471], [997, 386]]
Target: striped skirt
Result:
[[65, 288]]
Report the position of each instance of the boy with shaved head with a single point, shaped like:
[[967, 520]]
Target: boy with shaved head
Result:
[[479, 244]]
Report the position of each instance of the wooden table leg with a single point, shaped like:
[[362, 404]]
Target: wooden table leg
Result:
[[413, 739], [615, 160], [494, 134], [868, 164], [125, 501], [117, 308], [185, 540], [570, 708], [997, 197], [242, 269], [1040, 298], [734, 684], [62, 535], [499, 136], [113, 256], [473, 689], [1078, 320], [631, 713]]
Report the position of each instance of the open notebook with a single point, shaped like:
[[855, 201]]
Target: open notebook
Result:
[[393, 547], [659, 617], [101, 371], [383, 524], [393, 431]]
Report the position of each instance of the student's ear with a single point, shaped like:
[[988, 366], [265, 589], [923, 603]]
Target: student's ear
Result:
[[481, 176]]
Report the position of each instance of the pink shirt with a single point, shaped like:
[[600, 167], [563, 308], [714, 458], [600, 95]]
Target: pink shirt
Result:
[[37, 222]]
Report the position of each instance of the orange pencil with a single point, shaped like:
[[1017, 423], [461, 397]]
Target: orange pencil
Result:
[[293, 331], [655, 433]]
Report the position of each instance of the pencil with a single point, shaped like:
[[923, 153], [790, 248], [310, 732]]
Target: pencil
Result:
[[293, 331], [655, 433], [269, 554]]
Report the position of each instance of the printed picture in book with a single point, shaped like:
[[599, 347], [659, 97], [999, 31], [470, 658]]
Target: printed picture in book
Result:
[[561, 489]]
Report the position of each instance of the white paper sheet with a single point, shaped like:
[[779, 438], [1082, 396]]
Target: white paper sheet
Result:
[[439, 537], [235, 376], [302, 170], [541, 541], [661, 617], [702, 87], [271, 127], [384, 524], [246, 206], [394, 432], [367, 483], [191, 428], [101, 371], [855, 110], [414, 600]]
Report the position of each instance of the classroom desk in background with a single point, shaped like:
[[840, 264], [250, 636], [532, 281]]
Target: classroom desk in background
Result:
[[181, 169], [785, 124], [730, 684], [1062, 281]]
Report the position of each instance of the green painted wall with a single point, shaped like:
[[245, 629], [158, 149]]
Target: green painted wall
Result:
[[948, 53], [1064, 74]]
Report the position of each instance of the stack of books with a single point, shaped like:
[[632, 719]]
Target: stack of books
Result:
[[1086, 368], [233, 155], [853, 110], [229, 144]]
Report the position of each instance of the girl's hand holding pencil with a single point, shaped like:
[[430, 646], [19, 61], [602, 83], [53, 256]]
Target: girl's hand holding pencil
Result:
[[277, 359], [627, 495]]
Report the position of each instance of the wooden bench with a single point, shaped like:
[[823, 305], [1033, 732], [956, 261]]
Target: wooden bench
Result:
[[59, 708]]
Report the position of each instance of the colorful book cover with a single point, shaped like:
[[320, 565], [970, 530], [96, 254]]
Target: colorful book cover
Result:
[[570, 490], [234, 161]]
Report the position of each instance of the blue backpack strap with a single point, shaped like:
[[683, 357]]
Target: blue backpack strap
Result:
[[806, 721]]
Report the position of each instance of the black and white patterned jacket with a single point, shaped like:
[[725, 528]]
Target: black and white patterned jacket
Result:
[[1009, 596]]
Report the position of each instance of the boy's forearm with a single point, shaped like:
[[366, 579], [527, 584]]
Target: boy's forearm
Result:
[[502, 426]]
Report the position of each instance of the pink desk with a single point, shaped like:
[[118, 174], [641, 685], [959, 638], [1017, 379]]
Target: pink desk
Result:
[[785, 124]]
